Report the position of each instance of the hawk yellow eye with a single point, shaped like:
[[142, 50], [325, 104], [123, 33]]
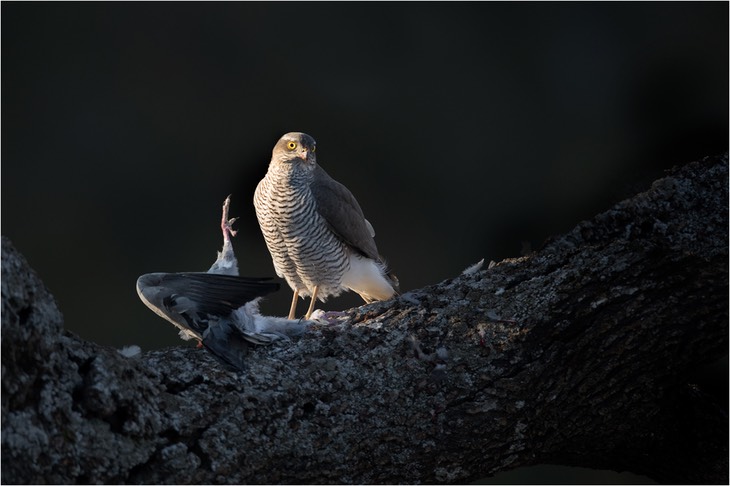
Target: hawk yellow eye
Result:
[[291, 145]]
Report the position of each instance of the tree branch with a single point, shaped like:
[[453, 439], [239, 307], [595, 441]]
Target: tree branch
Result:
[[577, 354]]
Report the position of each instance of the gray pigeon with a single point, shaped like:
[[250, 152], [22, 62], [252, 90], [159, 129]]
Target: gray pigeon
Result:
[[217, 307]]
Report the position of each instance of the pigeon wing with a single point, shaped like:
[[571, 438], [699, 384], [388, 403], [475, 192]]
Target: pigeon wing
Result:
[[193, 300]]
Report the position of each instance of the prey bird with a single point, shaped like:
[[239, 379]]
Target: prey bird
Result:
[[217, 307], [318, 237]]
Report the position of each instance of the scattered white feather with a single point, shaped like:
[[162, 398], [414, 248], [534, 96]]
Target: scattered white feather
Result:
[[130, 351], [473, 268]]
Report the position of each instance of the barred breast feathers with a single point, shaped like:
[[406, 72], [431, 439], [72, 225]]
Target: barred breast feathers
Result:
[[303, 249]]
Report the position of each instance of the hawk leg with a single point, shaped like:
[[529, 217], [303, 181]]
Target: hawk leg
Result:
[[293, 308], [312, 302]]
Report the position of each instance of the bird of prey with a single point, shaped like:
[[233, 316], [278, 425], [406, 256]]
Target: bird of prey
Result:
[[217, 307], [317, 235]]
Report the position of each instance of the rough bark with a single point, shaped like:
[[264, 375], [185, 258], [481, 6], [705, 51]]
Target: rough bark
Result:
[[577, 354]]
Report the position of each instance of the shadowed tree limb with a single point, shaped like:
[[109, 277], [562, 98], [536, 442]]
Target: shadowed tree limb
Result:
[[578, 354]]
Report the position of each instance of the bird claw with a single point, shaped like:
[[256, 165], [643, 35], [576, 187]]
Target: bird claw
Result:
[[228, 226], [327, 317]]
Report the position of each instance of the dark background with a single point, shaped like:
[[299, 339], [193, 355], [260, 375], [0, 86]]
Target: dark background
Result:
[[465, 130]]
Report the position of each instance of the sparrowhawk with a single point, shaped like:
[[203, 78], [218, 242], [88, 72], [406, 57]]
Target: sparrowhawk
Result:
[[318, 238]]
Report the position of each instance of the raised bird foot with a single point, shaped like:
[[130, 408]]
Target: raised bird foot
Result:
[[227, 224]]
